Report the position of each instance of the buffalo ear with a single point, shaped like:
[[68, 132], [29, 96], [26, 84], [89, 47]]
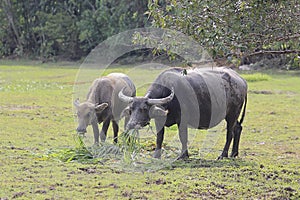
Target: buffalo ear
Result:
[[125, 112], [157, 111], [99, 108], [76, 103]]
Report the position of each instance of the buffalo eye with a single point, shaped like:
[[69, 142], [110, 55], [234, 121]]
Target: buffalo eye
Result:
[[131, 107], [90, 115], [144, 108], [128, 110]]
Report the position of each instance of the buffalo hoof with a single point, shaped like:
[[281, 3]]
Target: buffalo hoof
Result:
[[234, 154], [102, 137], [157, 154], [222, 156], [96, 144], [184, 155]]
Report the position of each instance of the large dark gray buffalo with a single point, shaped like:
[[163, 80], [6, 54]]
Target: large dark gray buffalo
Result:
[[199, 98], [103, 105]]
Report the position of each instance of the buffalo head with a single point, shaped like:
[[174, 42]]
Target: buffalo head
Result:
[[142, 109], [86, 114]]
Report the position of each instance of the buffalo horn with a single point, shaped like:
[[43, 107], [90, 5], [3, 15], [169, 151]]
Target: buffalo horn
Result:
[[162, 100], [76, 102], [124, 98]]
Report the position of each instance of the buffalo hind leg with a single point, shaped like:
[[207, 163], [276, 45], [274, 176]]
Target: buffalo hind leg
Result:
[[236, 139], [229, 134], [116, 130], [104, 130], [183, 136]]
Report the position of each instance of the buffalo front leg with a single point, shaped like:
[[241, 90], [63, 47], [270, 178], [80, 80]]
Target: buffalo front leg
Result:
[[159, 141], [126, 122], [183, 136], [96, 133], [160, 130], [236, 139], [104, 130], [116, 130]]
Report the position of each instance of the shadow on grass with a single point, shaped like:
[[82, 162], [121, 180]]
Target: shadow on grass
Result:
[[207, 163]]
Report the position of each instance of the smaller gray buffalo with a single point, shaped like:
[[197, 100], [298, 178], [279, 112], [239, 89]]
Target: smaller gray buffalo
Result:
[[103, 105]]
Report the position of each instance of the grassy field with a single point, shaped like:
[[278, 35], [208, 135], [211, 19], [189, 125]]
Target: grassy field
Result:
[[36, 116]]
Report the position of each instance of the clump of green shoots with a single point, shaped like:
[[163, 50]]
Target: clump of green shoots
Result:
[[127, 150], [80, 152]]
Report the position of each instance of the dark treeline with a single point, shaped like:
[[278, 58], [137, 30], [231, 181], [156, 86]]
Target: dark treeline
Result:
[[240, 32], [65, 29]]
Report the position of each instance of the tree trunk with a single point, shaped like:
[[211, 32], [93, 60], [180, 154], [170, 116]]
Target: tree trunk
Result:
[[7, 7]]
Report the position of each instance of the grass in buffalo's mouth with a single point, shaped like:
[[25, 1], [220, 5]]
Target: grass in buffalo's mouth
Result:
[[129, 143]]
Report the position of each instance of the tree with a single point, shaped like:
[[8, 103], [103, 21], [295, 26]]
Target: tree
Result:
[[67, 29], [235, 30], [108, 17]]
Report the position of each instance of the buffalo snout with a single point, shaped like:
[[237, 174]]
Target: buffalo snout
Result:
[[136, 126], [81, 130]]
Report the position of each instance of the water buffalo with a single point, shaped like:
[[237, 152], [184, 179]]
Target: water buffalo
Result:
[[103, 105], [199, 98]]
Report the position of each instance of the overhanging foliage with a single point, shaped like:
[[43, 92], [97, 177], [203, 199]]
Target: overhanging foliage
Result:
[[236, 30]]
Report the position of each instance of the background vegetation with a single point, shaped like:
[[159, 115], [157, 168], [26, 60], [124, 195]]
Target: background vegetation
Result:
[[237, 32], [67, 29]]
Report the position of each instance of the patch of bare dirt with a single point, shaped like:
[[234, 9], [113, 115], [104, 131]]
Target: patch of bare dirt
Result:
[[261, 92], [268, 92], [77, 83], [19, 107]]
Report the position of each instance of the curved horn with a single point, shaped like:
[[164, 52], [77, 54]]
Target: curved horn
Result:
[[123, 97], [76, 102], [162, 100]]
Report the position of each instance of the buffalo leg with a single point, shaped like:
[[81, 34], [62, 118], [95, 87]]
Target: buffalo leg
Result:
[[96, 133], [116, 130], [104, 130], [236, 139], [228, 141], [126, 122], [160, 130], [159, 141], [183, 136]]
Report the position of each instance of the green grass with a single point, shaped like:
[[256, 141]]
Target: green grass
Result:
[[254, 77], [37, 120]]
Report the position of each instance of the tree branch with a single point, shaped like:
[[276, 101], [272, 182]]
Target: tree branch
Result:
[[288, 37], [274, 52]]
